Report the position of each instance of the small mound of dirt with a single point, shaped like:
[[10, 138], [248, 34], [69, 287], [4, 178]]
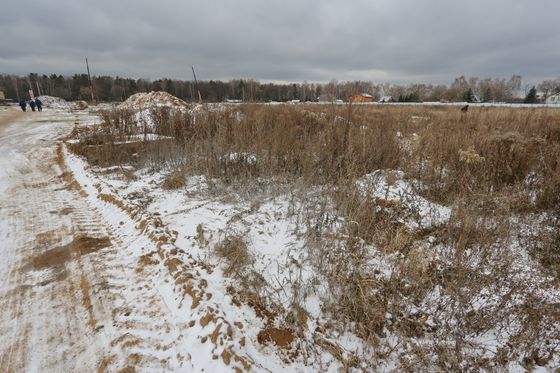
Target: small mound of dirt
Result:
[[280, 337]]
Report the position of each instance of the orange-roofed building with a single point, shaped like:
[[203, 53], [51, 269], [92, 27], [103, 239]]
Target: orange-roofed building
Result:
[[360, 97]]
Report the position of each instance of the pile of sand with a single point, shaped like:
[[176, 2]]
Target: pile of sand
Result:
[[145, 103], [142, 101]]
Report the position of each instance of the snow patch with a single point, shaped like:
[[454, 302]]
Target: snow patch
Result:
[[391, 186]]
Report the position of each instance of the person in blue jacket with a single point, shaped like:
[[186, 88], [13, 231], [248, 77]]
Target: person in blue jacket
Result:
[[32, 105], [39, 104], [23, 105]]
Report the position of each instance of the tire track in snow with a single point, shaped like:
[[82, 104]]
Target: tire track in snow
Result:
[[42, 326], [178, 284], [62, 309], [144, 333]]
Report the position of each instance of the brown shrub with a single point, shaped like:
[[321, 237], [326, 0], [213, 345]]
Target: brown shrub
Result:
[[233, 249], [175, 180]]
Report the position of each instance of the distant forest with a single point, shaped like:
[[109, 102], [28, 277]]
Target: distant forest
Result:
[[107, 88]]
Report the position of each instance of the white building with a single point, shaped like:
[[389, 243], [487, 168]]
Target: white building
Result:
[[553, 99], [386, 99]]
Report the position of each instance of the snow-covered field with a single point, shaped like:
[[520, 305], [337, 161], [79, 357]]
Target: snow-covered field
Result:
[[105, 268]]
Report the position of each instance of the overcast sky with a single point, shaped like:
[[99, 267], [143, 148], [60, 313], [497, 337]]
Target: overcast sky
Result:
[[400, 41]]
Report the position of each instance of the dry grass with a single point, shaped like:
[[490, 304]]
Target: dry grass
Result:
[[233, 249], [488, 151], [174, 180], [446, 286]]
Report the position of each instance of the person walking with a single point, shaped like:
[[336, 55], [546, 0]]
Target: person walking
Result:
[[32, 105], [39, 104], [23, 105]]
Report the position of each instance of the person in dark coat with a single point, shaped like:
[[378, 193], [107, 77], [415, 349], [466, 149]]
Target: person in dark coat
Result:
[[23, 105], [32, 105], [39, 104]]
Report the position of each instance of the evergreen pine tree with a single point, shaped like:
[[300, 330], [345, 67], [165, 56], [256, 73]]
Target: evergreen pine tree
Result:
[[531, 97], [468, 96]]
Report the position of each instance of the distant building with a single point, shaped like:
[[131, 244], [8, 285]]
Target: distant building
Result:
[[386, 99], [553, 99], [360, 97], [476, 99]]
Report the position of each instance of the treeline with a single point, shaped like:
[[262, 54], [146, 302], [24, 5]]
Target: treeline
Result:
[[107, 88]]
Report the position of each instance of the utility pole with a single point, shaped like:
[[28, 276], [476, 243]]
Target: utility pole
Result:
[[17, 89], [196, 86], [90, 83]]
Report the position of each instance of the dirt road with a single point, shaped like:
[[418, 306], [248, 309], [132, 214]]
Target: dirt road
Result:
[[70, 298], [9, 114]]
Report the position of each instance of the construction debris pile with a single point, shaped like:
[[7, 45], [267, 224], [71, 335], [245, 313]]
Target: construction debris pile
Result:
[[55, 102]]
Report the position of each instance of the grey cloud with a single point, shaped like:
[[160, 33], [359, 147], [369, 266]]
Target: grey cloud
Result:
[[402, 40]]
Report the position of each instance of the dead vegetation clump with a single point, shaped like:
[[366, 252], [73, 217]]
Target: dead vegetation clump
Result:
[[492, 151], [174, 180], [233, 249], [120, 139], [442, 299]]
